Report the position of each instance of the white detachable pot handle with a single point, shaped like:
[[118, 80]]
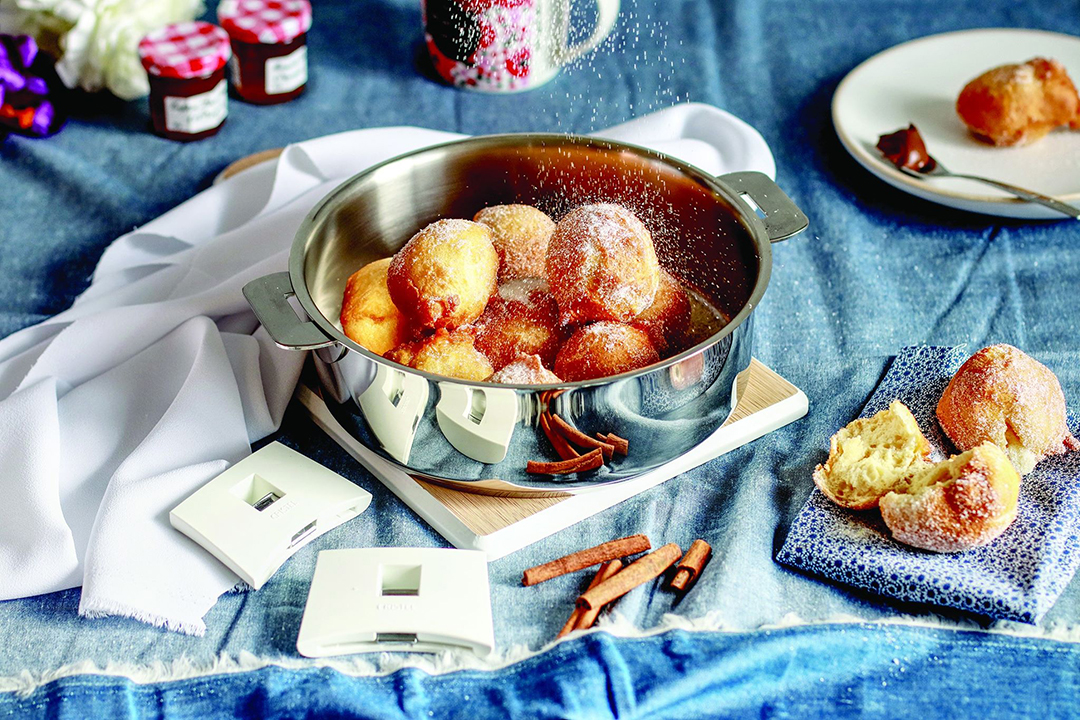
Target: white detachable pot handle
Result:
[[607, 14]]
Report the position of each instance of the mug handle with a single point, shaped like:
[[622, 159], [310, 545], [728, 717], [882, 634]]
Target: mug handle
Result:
[[607, 14]]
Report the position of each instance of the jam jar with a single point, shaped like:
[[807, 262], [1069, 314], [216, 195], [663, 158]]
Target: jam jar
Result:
[[185, 62], [269, 44]]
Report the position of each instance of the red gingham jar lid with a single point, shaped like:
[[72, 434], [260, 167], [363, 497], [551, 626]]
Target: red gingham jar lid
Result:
[[265, 21], [185, 50]]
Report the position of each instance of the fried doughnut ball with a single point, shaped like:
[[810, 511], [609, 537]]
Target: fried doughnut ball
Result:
[[449, 353], [444, 275], [870, 457], [885, 461], [368, 315], [602, 349], [602, 265], [961, 503], [522, 318], [1004, 396], [525, 370], [1018, 104], [520, 234], [668, 318], [403, 353]]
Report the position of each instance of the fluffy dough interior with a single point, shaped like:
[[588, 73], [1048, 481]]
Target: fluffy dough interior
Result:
[[873, 456]]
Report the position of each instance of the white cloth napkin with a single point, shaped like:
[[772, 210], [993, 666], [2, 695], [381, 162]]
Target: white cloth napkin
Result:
[[155, 380], [158, 377]]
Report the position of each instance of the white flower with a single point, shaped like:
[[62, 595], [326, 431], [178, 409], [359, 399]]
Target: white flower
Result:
[[97, 40]]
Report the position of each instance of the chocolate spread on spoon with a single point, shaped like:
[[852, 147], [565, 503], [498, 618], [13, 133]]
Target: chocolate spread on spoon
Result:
[[905, 149]]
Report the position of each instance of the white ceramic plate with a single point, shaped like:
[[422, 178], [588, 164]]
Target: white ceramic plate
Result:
[[918, 82]]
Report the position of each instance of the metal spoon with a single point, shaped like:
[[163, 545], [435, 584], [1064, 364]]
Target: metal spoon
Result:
[[936, 169]]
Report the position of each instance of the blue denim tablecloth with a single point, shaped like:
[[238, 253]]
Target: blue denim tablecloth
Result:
[[878, 271]]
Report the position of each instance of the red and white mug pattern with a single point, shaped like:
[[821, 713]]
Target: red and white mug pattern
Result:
[[482, 44]]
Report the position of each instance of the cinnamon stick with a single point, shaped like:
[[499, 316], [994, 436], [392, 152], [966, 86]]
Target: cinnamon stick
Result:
[[579, 438], [562, 448], [587, 618], [622, 445], [586, 558], [691, 565], [637, 573], [588, 461], [571, 624], [574, 623]]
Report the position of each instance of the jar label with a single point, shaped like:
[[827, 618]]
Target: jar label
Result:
[[286, 73], [197, 113]]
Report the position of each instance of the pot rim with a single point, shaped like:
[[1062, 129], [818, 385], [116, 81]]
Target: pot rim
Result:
[[744, 214]]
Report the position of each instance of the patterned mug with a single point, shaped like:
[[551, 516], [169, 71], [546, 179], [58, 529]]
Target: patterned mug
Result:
[[506, 45]]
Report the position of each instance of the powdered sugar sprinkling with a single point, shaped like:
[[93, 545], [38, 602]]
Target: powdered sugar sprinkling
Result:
[[602, 265]]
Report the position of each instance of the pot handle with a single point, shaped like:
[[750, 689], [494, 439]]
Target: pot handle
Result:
[[269, 297], [777, 212]]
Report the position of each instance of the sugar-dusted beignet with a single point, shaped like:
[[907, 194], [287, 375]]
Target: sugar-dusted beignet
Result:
[[521, 319], [368, 315], [449, 353], [602, 349], [668, 318], [444, 275], [520, 234], [961, 503], [601, 265], [1018, 104], [525, 370], [1004, 396], [870, 457]]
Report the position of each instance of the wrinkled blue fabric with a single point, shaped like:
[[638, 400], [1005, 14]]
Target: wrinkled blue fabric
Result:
[[791, 673], [878, 270]]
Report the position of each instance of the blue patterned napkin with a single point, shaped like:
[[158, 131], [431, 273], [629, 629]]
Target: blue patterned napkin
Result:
[[1016, 577]]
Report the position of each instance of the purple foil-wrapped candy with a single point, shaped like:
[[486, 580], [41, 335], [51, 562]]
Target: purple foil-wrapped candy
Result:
[[26, 48], [11, 79], [37, 86], [43, 118]]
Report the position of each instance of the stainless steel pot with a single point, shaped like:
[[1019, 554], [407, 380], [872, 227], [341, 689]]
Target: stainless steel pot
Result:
[[714, 234]]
